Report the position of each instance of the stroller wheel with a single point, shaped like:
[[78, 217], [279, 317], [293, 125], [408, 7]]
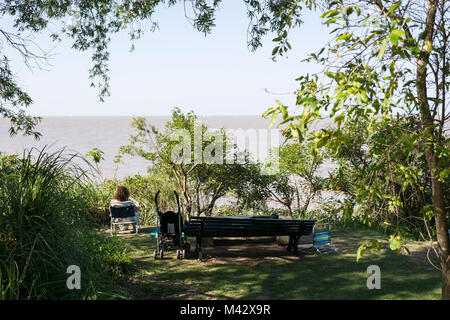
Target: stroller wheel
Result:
[[178, 254], [183, 254], [161, 254], [155, 254]]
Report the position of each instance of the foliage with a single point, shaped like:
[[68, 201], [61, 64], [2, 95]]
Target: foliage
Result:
[[96, 155], [194, 158], [234, 210], [294, 185], [387, 58], [252, 191], [384, 189], [44, 229], [301, 162], [13, 101]]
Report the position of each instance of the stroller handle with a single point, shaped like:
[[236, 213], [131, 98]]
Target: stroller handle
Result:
[[176, 196], [156, 200]]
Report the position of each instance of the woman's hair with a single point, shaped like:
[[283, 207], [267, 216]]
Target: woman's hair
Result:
[[121, 194]]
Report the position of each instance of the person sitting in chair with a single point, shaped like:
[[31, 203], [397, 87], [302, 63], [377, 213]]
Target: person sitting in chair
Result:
[[122, 199]]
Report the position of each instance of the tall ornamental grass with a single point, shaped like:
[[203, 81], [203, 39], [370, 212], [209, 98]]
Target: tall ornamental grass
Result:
[[44, 229]]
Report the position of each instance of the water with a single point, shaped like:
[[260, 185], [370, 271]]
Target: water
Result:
[[82, 134]]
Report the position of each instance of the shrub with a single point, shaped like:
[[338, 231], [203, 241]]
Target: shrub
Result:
[[44, 228]]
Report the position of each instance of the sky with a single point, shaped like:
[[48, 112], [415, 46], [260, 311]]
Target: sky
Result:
[[175, 66]]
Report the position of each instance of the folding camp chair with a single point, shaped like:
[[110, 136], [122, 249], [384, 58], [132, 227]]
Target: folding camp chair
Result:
[[119, 213], [321, 240]]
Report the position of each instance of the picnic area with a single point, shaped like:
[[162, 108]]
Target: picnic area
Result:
[[261, 269]]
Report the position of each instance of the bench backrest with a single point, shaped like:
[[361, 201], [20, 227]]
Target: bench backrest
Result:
[[246, 227]]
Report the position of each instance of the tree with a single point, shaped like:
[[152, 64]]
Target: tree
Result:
[[381, 179], [387, 58], [213, 181], [13, 100], [195, 157], [300, 161], [293, 186], [255, 188]]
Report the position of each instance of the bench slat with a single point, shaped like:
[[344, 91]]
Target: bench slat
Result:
[[246, 226]]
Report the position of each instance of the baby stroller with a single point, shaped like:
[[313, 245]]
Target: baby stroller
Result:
[[169, 236]]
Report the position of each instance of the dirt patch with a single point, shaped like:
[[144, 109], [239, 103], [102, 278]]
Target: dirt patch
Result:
[[249, 252], [422, 254]]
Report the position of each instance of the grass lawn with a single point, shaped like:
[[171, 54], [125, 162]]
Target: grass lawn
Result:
[[325, 276]]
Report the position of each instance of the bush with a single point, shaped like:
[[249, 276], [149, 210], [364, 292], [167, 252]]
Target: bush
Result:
[[45, 227], [233, 210]]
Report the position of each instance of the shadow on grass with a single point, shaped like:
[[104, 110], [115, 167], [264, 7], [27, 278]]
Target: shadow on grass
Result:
[[329, 276]]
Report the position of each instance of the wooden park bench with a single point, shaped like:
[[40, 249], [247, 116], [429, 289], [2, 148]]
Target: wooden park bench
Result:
[[253, 226]]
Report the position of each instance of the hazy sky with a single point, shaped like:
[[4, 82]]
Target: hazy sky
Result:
[[176, 66]]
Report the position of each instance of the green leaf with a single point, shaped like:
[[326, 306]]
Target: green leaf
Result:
[[394, 7], [275, 50], [396, 35], [392, 67], [383, 48], [330, 14], [284, 111], [277, 39], [395, 243], [360, 252], [273, 119], [332, 20]]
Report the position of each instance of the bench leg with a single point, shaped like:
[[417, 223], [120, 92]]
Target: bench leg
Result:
[[198, 246], [289, 246], [293, 244]]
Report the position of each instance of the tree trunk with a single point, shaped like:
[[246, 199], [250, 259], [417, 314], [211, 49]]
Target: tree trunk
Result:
[[441, 227], [432, 159], [297, 194], [446, 284], [187, 199], [309, 197]]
